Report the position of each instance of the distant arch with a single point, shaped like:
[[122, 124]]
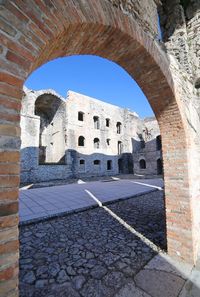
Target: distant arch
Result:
[[142, 164]]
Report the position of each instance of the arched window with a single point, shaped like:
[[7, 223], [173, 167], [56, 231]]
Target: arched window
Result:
[[107, 122], [108, 141], [97, 162], [81, 116], [142, 164], [96, 143], [119, 126], [96, 122], [109, 164], [81, 141], [158, 143], [119, 147]]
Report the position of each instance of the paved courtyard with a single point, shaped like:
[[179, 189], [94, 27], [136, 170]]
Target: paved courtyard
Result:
[[108, 251], [50, 201]]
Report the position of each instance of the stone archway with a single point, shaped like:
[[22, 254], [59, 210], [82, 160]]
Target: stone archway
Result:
[[38, 31]]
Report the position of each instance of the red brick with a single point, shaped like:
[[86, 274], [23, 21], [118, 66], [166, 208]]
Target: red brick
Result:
[[9, 247], [9, 90], [11, 156], [9, 288], [9, 221], [9, 169], [9, 259], [9, 181], [8, 273], [10, 79], [9, 130], [9, 208], [23, 63], [9, 194], [15, 118], [17, 48], [7, 28], [10, 104]]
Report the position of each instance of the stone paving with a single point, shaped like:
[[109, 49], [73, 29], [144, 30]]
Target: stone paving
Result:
[[91, 254], [44, 202]]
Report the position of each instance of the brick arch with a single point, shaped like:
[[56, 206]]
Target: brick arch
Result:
[[39, 31]]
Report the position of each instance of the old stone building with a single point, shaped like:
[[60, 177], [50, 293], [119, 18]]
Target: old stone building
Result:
[[82, 137], [126, 32]]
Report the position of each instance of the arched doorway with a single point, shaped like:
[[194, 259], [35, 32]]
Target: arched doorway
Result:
[[44, 31], [142, 164]]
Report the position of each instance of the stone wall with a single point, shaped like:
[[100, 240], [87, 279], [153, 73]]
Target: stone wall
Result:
[[79, 161], [53, 164], [149, 150], [144, 12], [180, 29]]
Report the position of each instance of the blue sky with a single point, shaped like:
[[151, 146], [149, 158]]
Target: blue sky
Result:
[[92, 76]]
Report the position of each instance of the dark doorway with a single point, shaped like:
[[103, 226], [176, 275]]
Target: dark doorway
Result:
[[159, 167], [120, 165], [142, 164]]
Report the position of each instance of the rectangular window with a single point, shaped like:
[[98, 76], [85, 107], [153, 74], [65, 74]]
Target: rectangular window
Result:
[[82, 165], [96, 122], [107, 122], [119, 147], [80, 116], [109, 164]]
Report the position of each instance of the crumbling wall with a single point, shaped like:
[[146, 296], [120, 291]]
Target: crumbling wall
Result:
[[38, 133], [146, 147], [143, 11], [180, 24]]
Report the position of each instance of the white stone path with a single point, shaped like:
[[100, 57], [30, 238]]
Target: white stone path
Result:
[[36, 204]]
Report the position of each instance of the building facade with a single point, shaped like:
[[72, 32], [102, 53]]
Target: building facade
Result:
[[82, 137]]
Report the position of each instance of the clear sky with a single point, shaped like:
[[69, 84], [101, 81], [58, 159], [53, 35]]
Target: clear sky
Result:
[[92, 76]]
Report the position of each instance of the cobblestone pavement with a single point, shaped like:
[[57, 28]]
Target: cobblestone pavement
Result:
[[90, 254]]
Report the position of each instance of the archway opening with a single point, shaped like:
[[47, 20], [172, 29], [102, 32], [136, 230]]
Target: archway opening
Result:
[[142, 164], [101, 141]]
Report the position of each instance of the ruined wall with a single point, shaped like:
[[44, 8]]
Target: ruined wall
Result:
[[180, 24], [180, 28], [122, 150], [144, 12], [54, 165], [148, 151]]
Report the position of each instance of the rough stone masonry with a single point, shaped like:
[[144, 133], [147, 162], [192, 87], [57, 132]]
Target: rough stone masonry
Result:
[[80, 137]]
